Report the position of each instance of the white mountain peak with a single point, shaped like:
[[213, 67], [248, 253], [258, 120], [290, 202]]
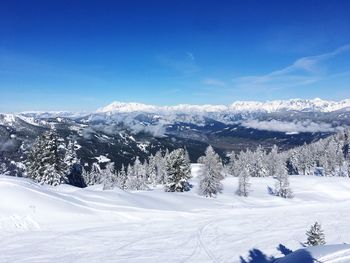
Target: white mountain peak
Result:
[[317, 105]]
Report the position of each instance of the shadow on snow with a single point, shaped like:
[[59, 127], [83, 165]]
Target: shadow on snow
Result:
[[300, 256]]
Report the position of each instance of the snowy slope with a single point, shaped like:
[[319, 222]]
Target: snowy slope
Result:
[[328, 253], [315, 105], [67, 224]]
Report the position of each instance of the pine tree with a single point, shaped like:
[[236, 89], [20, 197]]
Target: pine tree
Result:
[[152, 170], [136, 176], [71, 157], [94, 176], [315, 235], [108, 177], [272, 162], [259, 165], [282, 187], [243, 182], [46, 160], [3, 169], [231, 166], [160, 162], [178, 172], [121, 178], [85, 174], [210, 178]]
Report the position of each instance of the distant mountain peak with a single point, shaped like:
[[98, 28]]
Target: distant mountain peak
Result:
[[313, 105]]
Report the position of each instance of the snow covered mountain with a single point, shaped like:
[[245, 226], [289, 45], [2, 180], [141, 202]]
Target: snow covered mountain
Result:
[[121, 131], [314, 105]]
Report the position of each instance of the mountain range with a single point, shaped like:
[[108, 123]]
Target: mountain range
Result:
[[121, 131]]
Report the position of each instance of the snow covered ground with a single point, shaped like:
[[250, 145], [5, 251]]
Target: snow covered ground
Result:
[[68, 224]]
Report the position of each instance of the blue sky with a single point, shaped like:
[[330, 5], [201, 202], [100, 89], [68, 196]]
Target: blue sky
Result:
[[81, 55]]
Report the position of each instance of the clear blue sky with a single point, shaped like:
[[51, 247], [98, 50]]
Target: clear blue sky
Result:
[[81, 55]]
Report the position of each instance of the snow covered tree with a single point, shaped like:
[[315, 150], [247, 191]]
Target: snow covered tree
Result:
[[45, 161], [160, 162], [94, 176], [3, 169], [282, 187], [121, 178], [85, 175], [259, 165], [187, 156], [178, 172], [152, 170], [272, 161], [231, 166], [108, 177], [243, 167], [210, 177], [136, 176], [243, 182], [71, 157], [315, 235]]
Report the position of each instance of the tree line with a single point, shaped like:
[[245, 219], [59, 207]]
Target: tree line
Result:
[[52, 161]]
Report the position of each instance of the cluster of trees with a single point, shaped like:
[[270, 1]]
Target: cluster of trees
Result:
[[328, 157], [172, 170], [259, 163], [52, 161]]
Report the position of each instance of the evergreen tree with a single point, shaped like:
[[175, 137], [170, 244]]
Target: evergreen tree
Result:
[[3, 169], [152, 170], [282, 182], [210, 177], [121, 178], [108, 177], [85, 175], [94, 176], [160, 162], [315, 235], [136, 176], [71, 157], [46, 160], [178, 172], [243, 182], [272, 161], [259, 165], [231, 166]]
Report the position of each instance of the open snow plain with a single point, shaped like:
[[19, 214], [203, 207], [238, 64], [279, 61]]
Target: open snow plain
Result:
[[68, 224]]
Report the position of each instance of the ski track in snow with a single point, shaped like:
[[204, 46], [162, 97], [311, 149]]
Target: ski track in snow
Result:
[[66, 224]]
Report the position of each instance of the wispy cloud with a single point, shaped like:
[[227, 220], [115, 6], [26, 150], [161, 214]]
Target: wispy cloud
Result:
[[214, 82], [303, 71], [190, 55], [185, 64]]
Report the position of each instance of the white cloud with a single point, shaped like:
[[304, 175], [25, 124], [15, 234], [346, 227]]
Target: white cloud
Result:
[[214, 82], [303, 71], [290, 127], [185, 64]]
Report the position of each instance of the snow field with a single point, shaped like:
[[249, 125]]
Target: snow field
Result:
[[68, 224]]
